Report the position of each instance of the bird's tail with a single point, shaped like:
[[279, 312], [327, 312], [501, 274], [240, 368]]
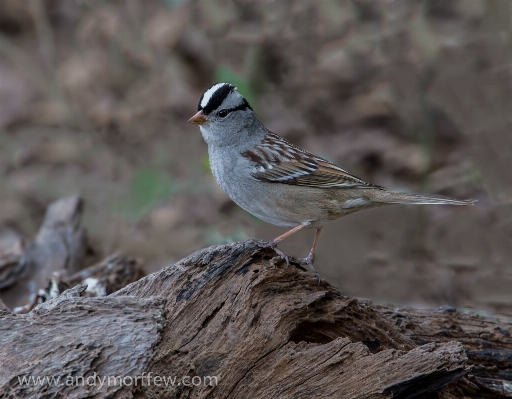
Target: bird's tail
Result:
[[393, 197]]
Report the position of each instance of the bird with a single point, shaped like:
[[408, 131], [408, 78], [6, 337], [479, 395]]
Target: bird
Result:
[[279, 182]]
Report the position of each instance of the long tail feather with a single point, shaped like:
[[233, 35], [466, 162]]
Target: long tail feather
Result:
[[393, 197]]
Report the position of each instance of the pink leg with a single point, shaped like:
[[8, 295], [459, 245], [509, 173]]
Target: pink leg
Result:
[[309, 259], [289, 233], [311, 255]]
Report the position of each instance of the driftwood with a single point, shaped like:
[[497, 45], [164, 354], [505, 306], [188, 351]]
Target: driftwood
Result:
[[235, 321]]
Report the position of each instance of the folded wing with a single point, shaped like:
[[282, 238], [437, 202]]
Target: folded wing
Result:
[[276, 160]]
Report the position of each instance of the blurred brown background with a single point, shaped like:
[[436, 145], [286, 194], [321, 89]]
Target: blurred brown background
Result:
[[412, 95]]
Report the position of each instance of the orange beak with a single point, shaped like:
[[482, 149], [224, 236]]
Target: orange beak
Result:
[[198, 119]]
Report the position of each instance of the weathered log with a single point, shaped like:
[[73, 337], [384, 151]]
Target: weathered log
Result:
[[487, 340], [109, 275], [235, 318], [70, 337], [238, 314], [60, 247]]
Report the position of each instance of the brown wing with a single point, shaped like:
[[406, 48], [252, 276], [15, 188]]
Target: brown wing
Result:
[[278, 161]]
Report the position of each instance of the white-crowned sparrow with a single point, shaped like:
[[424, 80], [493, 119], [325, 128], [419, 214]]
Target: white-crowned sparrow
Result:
[[277, 182]]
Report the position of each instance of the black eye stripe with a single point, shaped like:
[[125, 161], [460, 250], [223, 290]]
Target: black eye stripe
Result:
[[243, 106], [225, 112]]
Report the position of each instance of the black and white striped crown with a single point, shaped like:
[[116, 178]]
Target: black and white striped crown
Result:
[[222, 96]]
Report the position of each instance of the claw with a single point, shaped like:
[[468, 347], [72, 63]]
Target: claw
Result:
[[308, 260], [282, 255]]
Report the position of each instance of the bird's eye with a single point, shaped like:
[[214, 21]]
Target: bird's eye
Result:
[[223, 113]]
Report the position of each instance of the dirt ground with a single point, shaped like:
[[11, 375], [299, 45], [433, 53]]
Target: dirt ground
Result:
[[414, 96]]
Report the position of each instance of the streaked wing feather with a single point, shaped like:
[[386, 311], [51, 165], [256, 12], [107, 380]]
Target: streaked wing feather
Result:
[[278, 161]]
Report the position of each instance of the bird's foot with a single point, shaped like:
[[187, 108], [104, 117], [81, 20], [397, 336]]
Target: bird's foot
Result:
[[308, 260], [273, 245]]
